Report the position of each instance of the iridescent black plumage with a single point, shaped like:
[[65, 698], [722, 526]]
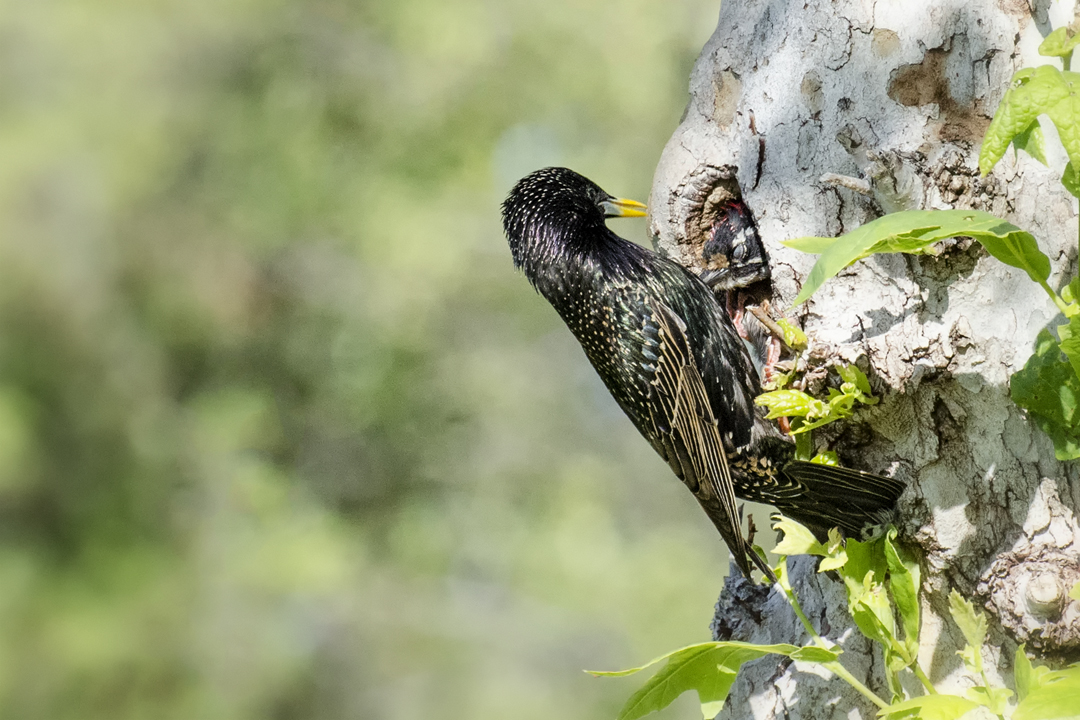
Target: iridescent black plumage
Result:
[[673, 361]]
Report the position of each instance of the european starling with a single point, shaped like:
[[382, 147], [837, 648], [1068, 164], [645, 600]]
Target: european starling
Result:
[[736, 268], [734, 256], [669, 354]]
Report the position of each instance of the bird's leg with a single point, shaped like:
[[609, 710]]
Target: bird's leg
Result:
[[772, 350], [772, 345], [761, 312], [735, 309], [772, 356]]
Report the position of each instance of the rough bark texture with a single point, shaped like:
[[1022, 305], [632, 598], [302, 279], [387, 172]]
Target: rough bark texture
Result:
[[898, 94]]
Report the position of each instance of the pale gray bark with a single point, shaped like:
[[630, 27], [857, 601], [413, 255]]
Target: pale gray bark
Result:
[[898, 94]]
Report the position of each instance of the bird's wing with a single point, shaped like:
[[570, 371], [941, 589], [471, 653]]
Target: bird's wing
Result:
[[731, 381], [685, 429]]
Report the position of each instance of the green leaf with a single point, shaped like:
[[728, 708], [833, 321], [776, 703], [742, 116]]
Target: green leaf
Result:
[[813, 653], [836, 553], [1028, 677], [808, 425], [1065, 333], [781, 571], [863, 558], [812, 245], [920, 228], [852, 393], [930, 707], [1022, 674], [1071, 179], [870, 625], [794, 337], [868, 603], [904, 582], [973, 627], [1059, 43], [760, 552], [708, 668], [1070, 342], [852, 374], [896, 663], [972, 660], [849, 248], [797, 539], [1017, 248], [972, 624], [1075, 592], [1056, 698], [828, 457], [835, 544], [910, 244], [872, 612], [1066, 116], [780, 380], [813, 413], [1071, 292], [791, 403], [1033, 91], [804, 447], [1049, 389], [1032, 142], [994, 698]]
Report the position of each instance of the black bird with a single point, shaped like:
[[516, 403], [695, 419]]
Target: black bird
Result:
[[736, 267], [669, 354], [734, 255]]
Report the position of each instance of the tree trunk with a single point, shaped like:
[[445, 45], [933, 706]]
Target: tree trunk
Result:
[[899, 94]]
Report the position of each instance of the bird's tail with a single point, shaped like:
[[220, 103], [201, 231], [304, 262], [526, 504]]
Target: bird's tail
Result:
[[830, 496]]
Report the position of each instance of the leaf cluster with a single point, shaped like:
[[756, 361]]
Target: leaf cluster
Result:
[[1044, 90], [882, 585], [789, 402], [915, 232]]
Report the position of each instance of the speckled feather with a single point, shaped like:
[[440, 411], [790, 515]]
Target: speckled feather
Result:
[[675, 364]]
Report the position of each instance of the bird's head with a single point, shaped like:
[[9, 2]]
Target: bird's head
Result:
[[734, 256], [554, 207]]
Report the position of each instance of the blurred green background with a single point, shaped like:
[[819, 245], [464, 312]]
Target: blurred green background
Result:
[[282, 432]]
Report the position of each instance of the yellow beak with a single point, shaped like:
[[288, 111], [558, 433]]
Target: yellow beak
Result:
[[621, 207]]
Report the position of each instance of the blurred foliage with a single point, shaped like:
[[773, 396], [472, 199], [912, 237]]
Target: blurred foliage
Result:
[[282, 433]]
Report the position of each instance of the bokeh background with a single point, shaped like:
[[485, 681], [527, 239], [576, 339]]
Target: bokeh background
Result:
[[282, 432]]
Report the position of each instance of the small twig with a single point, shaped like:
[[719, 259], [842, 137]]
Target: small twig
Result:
[[846, 181], [763, 317]]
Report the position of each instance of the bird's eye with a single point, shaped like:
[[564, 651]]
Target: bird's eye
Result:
[[739, 253]]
